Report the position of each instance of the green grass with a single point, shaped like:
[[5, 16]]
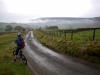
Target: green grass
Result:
[[83, 35], [82, 48], [7, 66]]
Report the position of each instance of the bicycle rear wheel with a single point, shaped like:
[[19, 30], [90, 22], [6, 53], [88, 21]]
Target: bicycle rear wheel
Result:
[[24, 60]]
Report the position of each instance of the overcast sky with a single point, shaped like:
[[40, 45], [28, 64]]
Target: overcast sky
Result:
[[9, 9]]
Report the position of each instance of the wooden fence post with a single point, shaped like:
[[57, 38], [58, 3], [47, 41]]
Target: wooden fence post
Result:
[[72, 35], [65, 34], [59, 34], [94, 34], [53, 34], [56, 34]]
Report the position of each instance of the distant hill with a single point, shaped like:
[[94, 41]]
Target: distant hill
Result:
[[68, 22], [62, 18], [96, 18], [68, 18], [60, 22]]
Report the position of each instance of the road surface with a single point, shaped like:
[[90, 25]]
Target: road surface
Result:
[[43, 61]]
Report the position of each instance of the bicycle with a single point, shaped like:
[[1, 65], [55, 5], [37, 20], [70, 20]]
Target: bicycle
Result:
[[20, 56]]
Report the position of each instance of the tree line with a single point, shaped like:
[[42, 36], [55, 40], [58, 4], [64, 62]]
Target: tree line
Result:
[[10, 28]]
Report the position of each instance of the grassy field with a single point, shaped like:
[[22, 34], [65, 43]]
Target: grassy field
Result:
[[80, 46], [7, 65], [81, 35]]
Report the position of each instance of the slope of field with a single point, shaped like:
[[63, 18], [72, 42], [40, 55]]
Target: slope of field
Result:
[[7, 65], [80, 46]]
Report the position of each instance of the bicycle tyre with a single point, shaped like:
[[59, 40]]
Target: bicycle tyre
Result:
[[14, 53], [24, 60]]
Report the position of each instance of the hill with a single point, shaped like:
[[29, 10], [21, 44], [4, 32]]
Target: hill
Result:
[[68, 22]]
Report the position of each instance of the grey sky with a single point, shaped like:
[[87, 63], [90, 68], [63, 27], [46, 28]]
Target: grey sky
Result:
[[2, 7], [95, 11], [48, 8]]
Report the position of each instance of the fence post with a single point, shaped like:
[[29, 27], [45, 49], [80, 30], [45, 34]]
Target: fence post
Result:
[[72, 35], [94, 34], [60, 33], [51, 34], [65, 34], [57, 33], [54, 33]]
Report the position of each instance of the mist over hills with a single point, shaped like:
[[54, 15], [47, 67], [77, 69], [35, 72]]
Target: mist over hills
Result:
[[61, 22], [62, 18], [68, 22]]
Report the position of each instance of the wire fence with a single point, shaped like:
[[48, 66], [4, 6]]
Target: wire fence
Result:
[[78, 34]]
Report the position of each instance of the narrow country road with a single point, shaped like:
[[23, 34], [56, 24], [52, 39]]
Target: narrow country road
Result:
[[43, 61]]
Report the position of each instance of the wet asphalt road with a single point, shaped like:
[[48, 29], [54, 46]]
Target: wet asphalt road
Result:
[[43, 61]]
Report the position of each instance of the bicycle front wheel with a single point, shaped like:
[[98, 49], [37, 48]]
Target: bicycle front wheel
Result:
[[24, 60], [14, 52]]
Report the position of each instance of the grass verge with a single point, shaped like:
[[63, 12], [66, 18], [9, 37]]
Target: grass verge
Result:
[[7, 66], [88, 50]]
